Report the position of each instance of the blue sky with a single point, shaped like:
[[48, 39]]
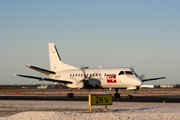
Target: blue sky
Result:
[[143, 34]]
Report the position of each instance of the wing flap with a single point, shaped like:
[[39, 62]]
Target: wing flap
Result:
[[150, 79], [46, 79], [44, 71]]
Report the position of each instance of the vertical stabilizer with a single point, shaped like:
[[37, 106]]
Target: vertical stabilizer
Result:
[[55, 61]]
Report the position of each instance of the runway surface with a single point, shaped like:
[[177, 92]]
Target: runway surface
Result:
[[167, 98], [20, 104]]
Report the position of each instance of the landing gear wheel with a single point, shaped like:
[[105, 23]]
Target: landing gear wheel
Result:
[[130, 96], [117, 95], [70, 95]]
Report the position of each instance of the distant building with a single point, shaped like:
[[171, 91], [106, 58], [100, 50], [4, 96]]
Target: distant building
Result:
[[167, 86], [42, 87], [147, 86], [46, 87]]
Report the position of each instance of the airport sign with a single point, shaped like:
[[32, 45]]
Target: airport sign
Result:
[[102, 99]]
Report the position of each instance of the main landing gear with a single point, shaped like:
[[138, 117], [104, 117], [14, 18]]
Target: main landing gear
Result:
[[70, 95], [116, 95], [130, 96]]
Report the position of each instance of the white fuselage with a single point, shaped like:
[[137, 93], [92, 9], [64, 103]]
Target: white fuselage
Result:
[[108, 78]]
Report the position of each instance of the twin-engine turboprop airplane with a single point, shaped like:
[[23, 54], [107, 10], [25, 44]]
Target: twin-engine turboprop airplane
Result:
[[74, 77]]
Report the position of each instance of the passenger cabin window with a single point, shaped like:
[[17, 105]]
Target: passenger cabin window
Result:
[[121, 73], [128, 73]]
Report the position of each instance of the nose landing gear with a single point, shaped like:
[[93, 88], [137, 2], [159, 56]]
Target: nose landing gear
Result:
[[116, 95]]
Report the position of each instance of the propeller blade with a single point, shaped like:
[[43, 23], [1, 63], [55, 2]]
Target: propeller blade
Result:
[[142, 76], [132, 67]]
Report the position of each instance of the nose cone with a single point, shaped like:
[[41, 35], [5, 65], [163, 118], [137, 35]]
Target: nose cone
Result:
[[138, 82]]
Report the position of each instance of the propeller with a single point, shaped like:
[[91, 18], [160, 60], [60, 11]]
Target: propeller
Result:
[[88, 80], [140, 76], [132, 67], [83, 70]]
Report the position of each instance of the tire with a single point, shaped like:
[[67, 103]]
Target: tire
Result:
[[116, 95]]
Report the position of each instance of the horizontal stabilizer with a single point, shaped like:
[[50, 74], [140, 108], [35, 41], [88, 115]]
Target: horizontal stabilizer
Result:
[[46, 79], [44, 71], [150, 79]]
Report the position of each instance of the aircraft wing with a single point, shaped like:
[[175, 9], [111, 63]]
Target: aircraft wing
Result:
[[46, 79], [47, 72], [150, 79]]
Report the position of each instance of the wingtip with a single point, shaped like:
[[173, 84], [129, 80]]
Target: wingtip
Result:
[[15, 74], [28, 65]]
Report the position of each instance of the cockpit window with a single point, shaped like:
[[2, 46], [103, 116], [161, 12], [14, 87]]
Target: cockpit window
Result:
[[128, 73], [121, 73]]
